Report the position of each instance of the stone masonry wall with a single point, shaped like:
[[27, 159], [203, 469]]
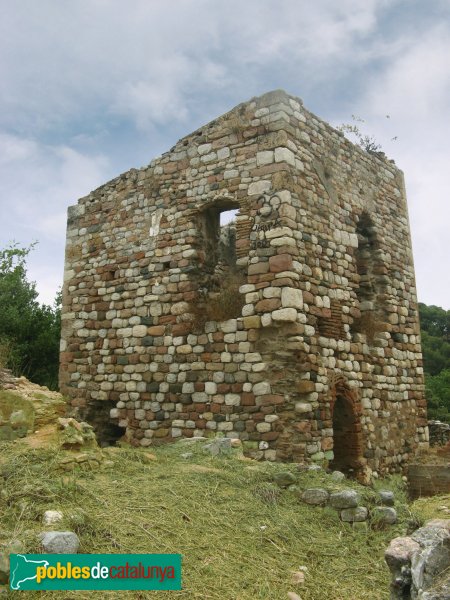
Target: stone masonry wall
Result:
[[321, 361]]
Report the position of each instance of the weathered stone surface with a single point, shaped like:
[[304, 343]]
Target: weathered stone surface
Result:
[[419, 564], [75, 434], [284, 478], [337, 476], [384, 515], [218, 446], [386, 497], [344, 499], [440, 590], [303, 407], [354, 515], [284, 314], [305, 386], [60, 542], [52, 516], [433, 558], [315, 496], [398, 558]]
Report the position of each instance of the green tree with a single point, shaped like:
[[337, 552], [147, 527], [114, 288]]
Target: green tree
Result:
[[29, 331], [435, 326], [435, 334], [438, 395]]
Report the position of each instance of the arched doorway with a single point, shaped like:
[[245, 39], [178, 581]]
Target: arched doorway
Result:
[[347, 436]]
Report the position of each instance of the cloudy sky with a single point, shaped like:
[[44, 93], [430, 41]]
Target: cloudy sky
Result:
[[91, 88]]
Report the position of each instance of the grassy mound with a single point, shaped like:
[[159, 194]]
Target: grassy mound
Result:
[[241, 537]]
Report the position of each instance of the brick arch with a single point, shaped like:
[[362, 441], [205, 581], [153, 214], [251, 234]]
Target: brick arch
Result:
[[346, 411]]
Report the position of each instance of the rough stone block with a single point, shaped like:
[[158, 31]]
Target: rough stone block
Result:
[[285, 314], [353, 515], [60, 542], [315, 496], [344, 499]]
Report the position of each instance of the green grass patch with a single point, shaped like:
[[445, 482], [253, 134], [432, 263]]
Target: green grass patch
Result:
[[240, 536]]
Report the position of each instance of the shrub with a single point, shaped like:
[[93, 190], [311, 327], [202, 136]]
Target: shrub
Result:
[[221, 305]]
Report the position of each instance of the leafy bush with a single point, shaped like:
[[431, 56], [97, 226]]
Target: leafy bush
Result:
[[29, 331], [222, 305], [435, 334], [438, 395]]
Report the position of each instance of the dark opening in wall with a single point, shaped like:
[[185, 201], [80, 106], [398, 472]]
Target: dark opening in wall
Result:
[[346, 437], [108, 432], [371, 286], [365, 262]]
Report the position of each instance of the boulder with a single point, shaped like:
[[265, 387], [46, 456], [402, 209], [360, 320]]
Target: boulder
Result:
[[284, 479], [419, 563], [60, 542], [433, 557], [384, 515], [354, 515], [315, 496], [386, 497], [344, 499], [52, 516], [76, 434], [398, 558], [218, 446], [337, 476]]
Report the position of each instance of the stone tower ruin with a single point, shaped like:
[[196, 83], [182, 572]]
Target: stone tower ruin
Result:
[[293, 328]]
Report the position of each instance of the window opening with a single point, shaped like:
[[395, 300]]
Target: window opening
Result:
[[219, 277], [218, 228]]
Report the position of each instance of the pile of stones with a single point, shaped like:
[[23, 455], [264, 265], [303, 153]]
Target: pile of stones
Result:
[[346, 501]]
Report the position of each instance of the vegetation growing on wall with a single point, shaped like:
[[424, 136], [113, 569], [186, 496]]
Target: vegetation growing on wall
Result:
[[221, 305]]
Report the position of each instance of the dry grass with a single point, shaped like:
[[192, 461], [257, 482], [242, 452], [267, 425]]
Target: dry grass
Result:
[[240, 538], [435, 507], [435, 455], [222, 305]]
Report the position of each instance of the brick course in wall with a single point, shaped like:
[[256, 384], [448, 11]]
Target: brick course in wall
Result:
[[324, 305]]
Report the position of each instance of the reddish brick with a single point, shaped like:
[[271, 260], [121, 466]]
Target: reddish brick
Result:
[[280, 262]]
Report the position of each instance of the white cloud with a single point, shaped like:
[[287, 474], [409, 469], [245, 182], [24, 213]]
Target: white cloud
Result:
[[79, 78], [38, 182], [414, 89], [142, 59]]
